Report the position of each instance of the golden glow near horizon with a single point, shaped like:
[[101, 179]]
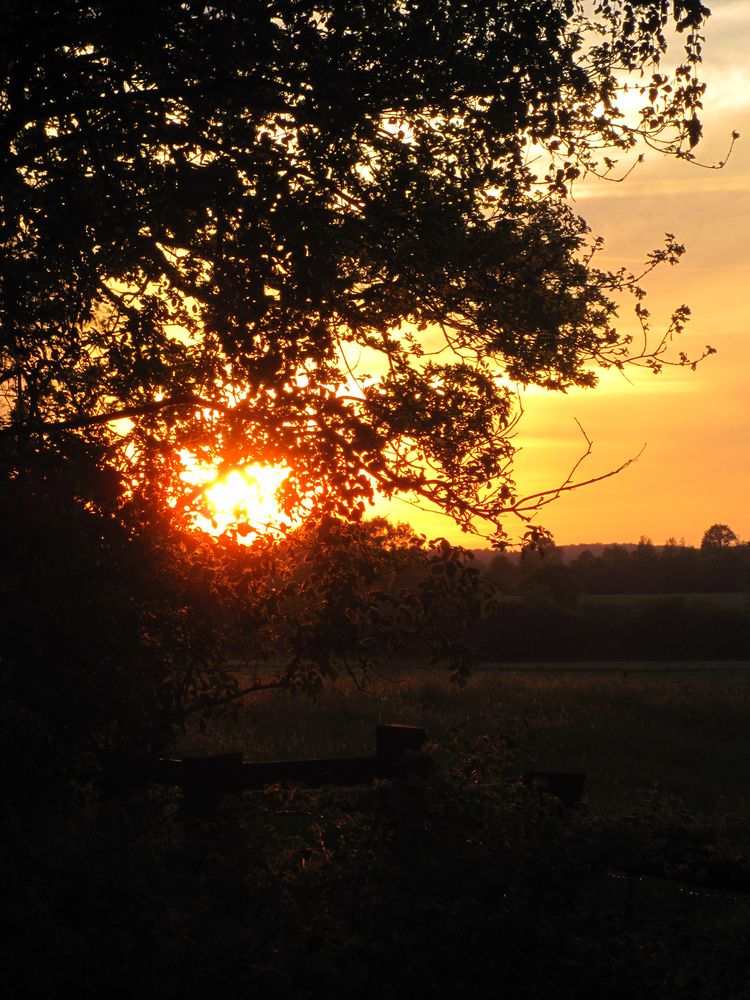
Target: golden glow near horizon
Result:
[[695, 469]]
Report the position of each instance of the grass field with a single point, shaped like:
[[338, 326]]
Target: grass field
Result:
[[735, 600], [645, 734]]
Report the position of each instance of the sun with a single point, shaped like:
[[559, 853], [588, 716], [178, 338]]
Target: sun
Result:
[[245, 498]]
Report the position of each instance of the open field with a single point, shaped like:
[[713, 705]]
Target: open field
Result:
[[645, 733], [738, 600]]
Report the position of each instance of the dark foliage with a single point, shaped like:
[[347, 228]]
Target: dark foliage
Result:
[[670, 569], [242, 227], [718, 536], [314, 232], [438, 886], [78, 592], [538, 629], [674, 568], [117, 627]]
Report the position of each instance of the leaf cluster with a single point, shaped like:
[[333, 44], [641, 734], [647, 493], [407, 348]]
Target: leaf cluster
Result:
[[323, 233], [117, 625]]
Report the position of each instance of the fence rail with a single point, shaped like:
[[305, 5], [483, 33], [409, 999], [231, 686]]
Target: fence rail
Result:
[[205, 780]]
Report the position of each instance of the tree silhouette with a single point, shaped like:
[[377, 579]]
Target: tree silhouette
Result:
[[718, 536], [329, 234]]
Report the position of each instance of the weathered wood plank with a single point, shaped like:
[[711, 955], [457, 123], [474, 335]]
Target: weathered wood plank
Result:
[[205, 780]]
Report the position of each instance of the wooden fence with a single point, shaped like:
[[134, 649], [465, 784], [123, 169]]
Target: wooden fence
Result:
[[205, 780]]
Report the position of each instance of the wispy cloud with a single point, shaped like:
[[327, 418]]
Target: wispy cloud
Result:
[[700, 185]]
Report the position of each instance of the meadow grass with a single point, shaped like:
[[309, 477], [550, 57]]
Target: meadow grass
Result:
[[643, 733]]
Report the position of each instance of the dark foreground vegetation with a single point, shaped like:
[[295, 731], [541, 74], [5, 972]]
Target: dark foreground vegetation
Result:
[[456, 882], [210, 215], [459, 881]]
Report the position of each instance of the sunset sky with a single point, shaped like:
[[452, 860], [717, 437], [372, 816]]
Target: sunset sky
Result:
[[695, 469]]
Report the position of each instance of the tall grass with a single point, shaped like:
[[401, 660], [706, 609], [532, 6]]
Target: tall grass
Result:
[[639, 734]]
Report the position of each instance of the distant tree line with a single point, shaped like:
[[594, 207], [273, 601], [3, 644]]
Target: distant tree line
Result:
[[664, 628], [627, 602], [720, 565]]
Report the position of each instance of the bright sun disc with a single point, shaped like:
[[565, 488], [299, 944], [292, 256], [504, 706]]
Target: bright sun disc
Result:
[[248, 494], [245, 496]]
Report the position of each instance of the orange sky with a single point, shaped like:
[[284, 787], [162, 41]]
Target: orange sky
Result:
[[695, 469]]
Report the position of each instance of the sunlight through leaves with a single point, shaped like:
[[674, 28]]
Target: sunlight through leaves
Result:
[[244, 499]]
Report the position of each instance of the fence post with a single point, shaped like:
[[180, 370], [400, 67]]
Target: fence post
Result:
[[392, 743], [206, 780]]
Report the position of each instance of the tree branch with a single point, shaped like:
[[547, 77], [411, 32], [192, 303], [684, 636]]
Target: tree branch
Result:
[[139, 410], [229, 698]]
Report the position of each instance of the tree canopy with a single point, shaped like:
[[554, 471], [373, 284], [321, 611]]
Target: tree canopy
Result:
[[330, 234], [718, 536]]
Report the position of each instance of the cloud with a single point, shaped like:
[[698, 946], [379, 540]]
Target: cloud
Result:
[[725, 67], [665, 187]]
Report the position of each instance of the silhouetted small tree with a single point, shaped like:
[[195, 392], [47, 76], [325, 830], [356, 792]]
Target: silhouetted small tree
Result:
[[718, 536]]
